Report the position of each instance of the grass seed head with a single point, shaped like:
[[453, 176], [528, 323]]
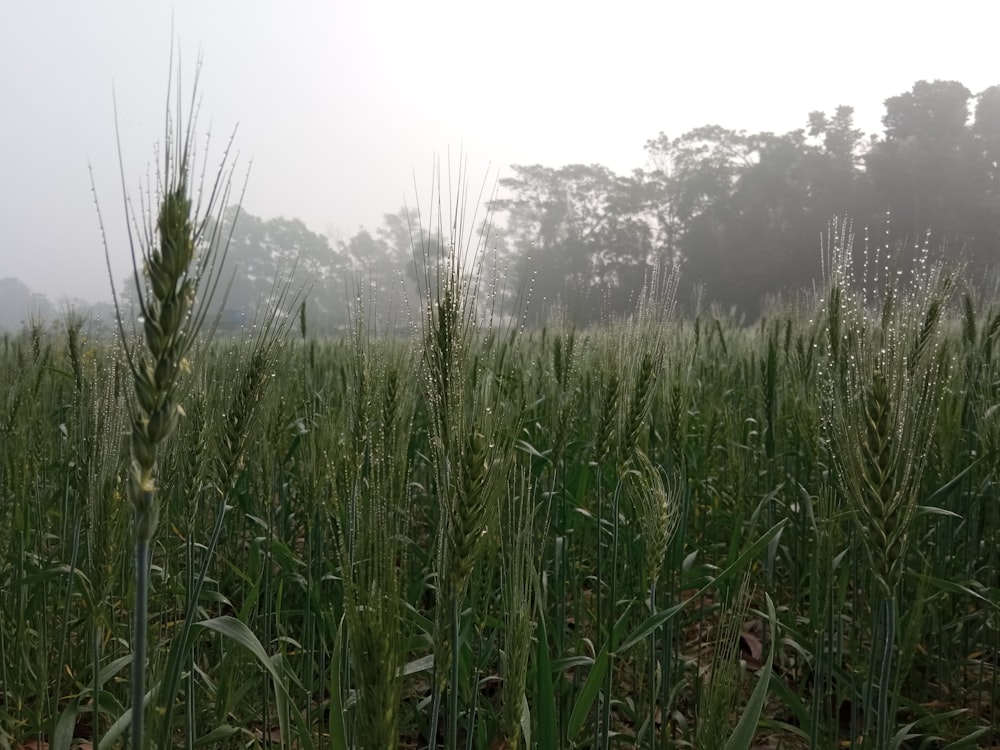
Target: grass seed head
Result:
[[884, 382]]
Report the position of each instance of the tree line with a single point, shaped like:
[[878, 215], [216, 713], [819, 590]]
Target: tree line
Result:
[[743, 213]]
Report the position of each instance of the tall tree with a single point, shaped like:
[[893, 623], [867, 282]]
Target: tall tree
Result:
[[745, 211], [752, 240], [931, 113], [842, 142], [926, 172], [265, 254], [582, 236], [986, 154], [986, 130], [19, 305], [698, 169], [383, 265]]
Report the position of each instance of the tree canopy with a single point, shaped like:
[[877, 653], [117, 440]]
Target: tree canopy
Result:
[[744, 212]]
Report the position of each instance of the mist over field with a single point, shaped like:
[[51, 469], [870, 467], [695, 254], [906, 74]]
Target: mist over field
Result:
[[726, 137], [556, 377]]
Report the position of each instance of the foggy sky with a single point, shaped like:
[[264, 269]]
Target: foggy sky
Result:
[[339, 104]]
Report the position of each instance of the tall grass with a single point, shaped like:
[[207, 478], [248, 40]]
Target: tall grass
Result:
[[482, 536], [887, 371], [174, 260], [369, 515], [466, 340], [330, 510]]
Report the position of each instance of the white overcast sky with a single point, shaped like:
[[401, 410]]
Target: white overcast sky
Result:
[[339, 103]]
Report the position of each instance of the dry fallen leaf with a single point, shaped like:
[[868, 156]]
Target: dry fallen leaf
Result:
[[751, 650]]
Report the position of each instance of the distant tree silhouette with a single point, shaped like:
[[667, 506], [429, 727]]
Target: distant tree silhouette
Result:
[[264, 254], [584, 238], [934, 173], [19, 305]]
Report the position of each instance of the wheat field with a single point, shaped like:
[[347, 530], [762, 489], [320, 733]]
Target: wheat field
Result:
[[670, 530], [480, 536]]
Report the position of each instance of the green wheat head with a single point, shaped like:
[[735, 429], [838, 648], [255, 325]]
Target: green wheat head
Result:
[[884, 382]]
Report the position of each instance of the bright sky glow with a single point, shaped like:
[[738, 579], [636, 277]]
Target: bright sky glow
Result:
[[342, 105]]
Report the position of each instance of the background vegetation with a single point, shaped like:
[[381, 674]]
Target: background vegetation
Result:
[[494, 536], [743, 211], [477, 519]]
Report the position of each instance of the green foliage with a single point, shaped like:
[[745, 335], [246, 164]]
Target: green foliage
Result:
[[348, 432], [743, 211], [475, 533], [576, 233]]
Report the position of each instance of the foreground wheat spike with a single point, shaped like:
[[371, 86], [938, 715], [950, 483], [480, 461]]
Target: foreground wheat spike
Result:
[[656, 506], [645, 335], [723, 689], [518, 576], [370, 520], [885, 380], [471, 425], [165, 306], [884, 383], [174, 258]]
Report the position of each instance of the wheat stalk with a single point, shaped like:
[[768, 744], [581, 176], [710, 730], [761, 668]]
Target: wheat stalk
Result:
[[518, 581], [471, 426], [715, 711], [371, 525], [885, 380], [173, 259]]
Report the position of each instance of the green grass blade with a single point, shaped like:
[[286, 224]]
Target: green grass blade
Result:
[[742, 736], [970, 740], [588, 694], [338, 729], [526, 721], [652, 623], [122, 724], [62, 735], [237, 631], [545, 693]]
